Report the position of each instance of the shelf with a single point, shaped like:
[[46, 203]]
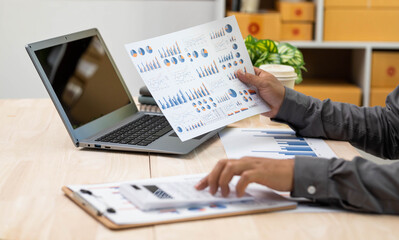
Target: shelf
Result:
[[337, 90], [344, 45], [328, 60]]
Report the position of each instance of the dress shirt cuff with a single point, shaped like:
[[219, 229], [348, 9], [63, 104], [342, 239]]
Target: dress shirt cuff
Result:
[[310, 178], [293, 108]]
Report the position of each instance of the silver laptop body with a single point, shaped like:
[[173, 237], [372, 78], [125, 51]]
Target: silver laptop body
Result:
[[91, 96]]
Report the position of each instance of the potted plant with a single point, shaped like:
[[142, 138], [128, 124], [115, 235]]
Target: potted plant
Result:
[[266, 51]]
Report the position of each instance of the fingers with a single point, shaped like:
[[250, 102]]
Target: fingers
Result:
[[247, 177], [222, 174], [248, 78], [231, 168], [202, 184], [213, 177], [258, 71]]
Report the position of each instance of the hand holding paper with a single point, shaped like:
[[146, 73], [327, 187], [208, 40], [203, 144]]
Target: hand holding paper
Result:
[[192, 75]]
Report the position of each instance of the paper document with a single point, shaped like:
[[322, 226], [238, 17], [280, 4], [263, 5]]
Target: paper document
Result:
[[191, 74], [105, 197], [271, 143]]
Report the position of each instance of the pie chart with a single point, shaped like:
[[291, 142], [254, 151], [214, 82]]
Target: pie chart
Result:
[[228, 28], [134, 53], [237, 55], [232, 93], [149, 49], [204, 53], [179, 129], [141, 51], [181, 58], [167, 63], [174, 60], [195, 54], [235, 46]]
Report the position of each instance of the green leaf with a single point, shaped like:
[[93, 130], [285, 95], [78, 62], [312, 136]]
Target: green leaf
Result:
[[250, 39], [262, 59], [252, 52], [252, 56], [267, 45], [299, 73], [286, 51], [266, 51], [273, 58]]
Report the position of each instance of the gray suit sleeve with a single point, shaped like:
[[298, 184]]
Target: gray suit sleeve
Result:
[[359, 184], [373, 129]]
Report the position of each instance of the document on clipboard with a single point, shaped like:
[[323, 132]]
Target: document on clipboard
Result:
[[105, 203]]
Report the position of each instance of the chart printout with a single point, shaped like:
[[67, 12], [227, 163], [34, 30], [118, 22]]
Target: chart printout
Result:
[[191, 74], [271, 143]]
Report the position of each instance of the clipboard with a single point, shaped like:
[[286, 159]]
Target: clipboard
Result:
[[109, 207]]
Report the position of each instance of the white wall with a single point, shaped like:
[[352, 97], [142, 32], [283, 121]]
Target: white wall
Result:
[[120, 22]]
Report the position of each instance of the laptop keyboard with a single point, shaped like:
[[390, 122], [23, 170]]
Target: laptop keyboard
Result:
[[142, 131]]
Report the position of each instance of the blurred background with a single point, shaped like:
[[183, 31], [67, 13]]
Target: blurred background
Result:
[[350, 47], [119, 22]]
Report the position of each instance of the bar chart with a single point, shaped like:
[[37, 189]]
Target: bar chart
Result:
[[290, 145], [181, 97], [206, 71], [169, 51], [149, 66], [272, 143]]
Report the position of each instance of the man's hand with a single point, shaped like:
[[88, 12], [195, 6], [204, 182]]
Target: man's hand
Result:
[[269, 88], [274, 173]]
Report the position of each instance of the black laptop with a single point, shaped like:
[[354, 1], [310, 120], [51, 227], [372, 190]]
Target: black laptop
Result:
[[93, 100]]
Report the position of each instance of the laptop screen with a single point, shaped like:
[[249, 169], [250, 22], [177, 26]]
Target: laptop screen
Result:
[[84, 79]]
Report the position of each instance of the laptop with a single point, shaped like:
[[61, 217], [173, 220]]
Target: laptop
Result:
[[93, 101]]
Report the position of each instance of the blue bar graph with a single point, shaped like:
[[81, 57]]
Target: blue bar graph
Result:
[[294, 143], [289, 144], [310, 154], [297, 148], [181, 98], [279, 132], [286, 137]]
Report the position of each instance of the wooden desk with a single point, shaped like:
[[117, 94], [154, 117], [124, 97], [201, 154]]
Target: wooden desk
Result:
[[37, 158]]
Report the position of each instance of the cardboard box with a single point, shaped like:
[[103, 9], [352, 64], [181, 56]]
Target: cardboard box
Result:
[[361, 24], [361, 3], [296, 11], [296, 31], [346, 3], [385, 69], [260, 25], [338, 91], [384, 3], [378, 96]]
